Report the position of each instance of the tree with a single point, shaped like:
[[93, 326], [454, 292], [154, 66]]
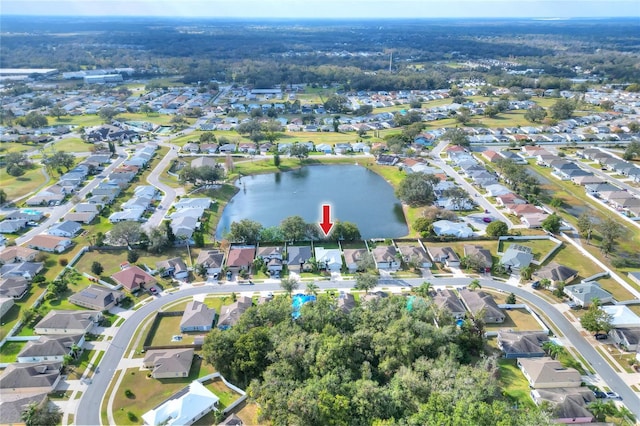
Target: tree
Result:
[[459, 198], [16, 159], [15, 170], [610, 230], [107, 113], [601, 409], [59, 159], [457, 136], [245, 231], [276, 160], [57, 112], [553, 349], [511, 299], [32, 119], [132, 256], [562, 109], [312, 288], [535, 114], [366, 281], [552, 223], [299, 150], [345, 231], [366, 263], [585, 225], [424, 290], [497, 228], [596, 319], [127, 233], [633, 149], [337, 104], [289, 285], [294, 228], [556, 202], [416, 189], [607, 105], [96, 268], [158, 240], [41, 415], [365, 110], [474, 284], [3, 196], [526, 273]]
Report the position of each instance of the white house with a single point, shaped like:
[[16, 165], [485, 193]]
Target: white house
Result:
[[330, 258], [184, 408]]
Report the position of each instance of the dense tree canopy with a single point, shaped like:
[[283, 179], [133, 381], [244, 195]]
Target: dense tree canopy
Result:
[[385, 364], [245, 231], [416, 189]]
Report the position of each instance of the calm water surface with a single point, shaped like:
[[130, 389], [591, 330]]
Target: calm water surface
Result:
[[356, 194]]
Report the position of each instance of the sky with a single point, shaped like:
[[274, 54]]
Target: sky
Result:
[[328, 8]]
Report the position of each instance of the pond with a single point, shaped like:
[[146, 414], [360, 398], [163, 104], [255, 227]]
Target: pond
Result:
[[355, 193]]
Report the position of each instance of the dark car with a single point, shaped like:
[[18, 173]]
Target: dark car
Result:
[[153, 290], [486, 219], [601, 336], [535, 284], [599, 394]]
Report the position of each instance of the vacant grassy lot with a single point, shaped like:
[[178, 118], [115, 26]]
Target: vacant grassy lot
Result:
[[8, 147], [16, 187], [516, 319], [149, 392], [70, 145], [514, 385], [77, 120], [169, 327]]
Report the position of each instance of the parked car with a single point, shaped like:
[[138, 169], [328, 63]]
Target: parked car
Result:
[[601, 336], [612, 395], [599, 394], [153, 290], [535, 284], [486, 219]]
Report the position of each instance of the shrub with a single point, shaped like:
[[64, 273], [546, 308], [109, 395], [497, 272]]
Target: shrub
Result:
[[132, 256], [132, 417], [129, 394], [63, 262]]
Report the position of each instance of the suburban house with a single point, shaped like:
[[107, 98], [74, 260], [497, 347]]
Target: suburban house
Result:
[[13, 287], [197, 317], [621, 316], [543, 373], [479, 301], [229, 314], [582, 294], [455, 229], [522, 344], [444, 255], [68, 322], [29, 215], [212, 260], [414, 254], [329, 259], [185, 407], [26, 270], [66, 229], [175, 268], [133, 278], [168, 363], [626, 338], [97, 297], [6, 303], [204, 161], [386, 258], [30, 378], [12, 226], [80, 217], [298, 258], [346, 302], [50, 243], [17, 254], [447, 300], [12, 407], [352, 257], [555, 273], [516, 257], [569, 404], [193, 203], [240, 258], [51, 348], [272, 257], [481, 255]]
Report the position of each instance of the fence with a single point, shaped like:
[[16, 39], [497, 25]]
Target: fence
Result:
[[234, 404]]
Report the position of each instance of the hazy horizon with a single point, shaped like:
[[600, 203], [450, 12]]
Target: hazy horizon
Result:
[[326, 9]]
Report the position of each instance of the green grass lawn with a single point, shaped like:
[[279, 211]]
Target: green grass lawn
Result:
[[513, 383], [149, 392], [226, 394], [70, 145], [16, 187], [8, 147], [169, 327], [516, 319], [539, 248], [10, 350]]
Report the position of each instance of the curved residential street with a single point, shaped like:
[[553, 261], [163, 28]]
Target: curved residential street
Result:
[[90, 404]]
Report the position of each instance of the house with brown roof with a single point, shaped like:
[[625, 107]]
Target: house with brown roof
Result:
[[415, 254], [16, 254], [30, 378], [386, 258], [447, 300], [555, 273], [240, 257], [480, 256], [13, 406], [50, 243], [479, 302], [212, 260], [444, 255], [168, 363], [175, 268], [509, 199], [68, 322], [97, 297], [491, 156], [133, 278], [230, 314], [197, 317], [544, 373], [352, 257]]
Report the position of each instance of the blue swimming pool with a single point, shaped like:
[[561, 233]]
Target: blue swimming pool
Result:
[[298, 301], [31, 212]]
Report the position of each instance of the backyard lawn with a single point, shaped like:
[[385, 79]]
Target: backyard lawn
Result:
[[148, 392], [70, 145], [516, 319], [226, 394], [10, 350], [539, 248], [514, 385]]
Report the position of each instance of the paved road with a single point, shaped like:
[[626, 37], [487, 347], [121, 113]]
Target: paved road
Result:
[[476, 196], [57, 212], [89, 408], [169, 192], [608, 178]]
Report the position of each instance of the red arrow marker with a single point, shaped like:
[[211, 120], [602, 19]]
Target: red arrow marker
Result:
[[326, 223]]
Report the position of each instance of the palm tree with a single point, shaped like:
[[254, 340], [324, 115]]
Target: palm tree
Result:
[[525, 273], [289, 285], [312, 288], [553, 349], [601, 409], [474, 284], [424, 290]]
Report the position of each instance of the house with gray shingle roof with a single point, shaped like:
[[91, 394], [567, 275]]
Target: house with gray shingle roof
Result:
[[68, 322], [197, 317], [448, 300], [230, 314], [522, 344], [168, 363], [30, 378], [555, 273], [583, 294], [50, 348], [97, 297], [478, 302]]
